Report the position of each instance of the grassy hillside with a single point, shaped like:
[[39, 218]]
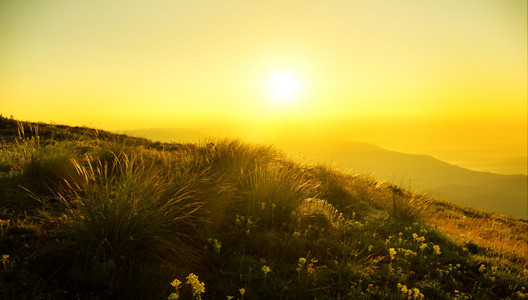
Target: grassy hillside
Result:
[[492, 192], [90, 215]]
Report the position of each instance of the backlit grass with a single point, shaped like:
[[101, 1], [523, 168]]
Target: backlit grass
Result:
[[89, 215]]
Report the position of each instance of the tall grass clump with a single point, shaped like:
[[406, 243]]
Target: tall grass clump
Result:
[[320, 215], [43, 164], [9, 159], [46, 167], [272, 191], [352, 195], [125, 215], [406, 206], [230, 157]]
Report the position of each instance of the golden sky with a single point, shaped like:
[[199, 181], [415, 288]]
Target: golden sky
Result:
[[415, 76]]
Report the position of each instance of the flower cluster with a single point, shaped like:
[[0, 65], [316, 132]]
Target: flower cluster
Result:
[[410, 293], [482, 268], [407, 252], [417, 238], [302, 262], [436, 250], [197, 286], [392, 253], [217, 245], [266, 270], [175, 295]]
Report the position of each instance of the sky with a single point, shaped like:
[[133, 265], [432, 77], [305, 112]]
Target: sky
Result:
[[446, 78]]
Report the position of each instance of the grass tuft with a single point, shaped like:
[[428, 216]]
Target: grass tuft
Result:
[[407, 206], [129, 214], [272, 191]]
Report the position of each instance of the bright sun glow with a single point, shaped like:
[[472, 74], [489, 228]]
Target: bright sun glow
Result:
[[284, 86]]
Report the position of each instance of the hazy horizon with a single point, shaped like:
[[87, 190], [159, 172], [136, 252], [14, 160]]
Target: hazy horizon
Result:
[[477, 157], [447, 79]]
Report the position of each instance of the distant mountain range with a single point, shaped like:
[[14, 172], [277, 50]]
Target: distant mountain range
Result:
[[492, 192]]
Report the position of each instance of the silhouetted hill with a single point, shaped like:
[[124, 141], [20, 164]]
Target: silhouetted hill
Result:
[[483, 190]]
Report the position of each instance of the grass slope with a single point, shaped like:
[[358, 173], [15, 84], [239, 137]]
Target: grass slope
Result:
[[85, 214]]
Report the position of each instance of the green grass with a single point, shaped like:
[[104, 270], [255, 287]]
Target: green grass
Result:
[[127, 216], [85, 214]]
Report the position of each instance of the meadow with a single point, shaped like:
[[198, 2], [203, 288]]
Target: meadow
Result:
[[87, 214]]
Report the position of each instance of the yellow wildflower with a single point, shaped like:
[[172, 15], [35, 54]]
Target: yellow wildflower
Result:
[[417, 294], [266, 270], [482, 268], [197, 286], [404, 289], [302, 261], [176, 283], [173, 296], [392, 252]]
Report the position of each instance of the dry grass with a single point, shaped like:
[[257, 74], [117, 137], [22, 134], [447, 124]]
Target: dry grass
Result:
[[504, 236]]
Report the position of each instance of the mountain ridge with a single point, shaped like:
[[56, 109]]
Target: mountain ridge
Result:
[[502, 193]]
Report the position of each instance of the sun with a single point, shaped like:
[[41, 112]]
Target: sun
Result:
[[284, 86]]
